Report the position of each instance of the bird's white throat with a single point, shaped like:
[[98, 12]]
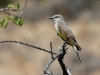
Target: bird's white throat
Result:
[[56, 26]]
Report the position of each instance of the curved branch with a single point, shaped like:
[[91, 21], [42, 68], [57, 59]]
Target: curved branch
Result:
[[18, 42]]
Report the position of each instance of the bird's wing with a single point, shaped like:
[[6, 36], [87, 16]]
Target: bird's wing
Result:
[[65, 30]]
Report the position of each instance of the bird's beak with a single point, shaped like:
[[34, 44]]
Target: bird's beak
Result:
[[50, 17]]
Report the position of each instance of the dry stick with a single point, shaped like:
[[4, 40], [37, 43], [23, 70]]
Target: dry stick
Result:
[[11, 9], [28, 45], [5, 10], [60, 57], [51, 50], [49, 63]]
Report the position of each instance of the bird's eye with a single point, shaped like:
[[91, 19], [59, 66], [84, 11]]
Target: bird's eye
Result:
[[57, 17]]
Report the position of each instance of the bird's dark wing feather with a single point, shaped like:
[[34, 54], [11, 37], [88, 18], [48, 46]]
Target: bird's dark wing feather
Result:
[[66, 31]]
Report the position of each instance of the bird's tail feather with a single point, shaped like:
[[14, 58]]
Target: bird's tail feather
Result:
[[79, 57], [78, 47], [76, 50]]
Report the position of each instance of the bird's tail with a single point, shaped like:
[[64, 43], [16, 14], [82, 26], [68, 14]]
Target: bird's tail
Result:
[[77, 48]]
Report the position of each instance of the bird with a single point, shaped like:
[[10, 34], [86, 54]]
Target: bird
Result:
[[64, 32]]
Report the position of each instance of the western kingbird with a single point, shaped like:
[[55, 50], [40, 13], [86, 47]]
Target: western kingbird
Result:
[[65, 32]]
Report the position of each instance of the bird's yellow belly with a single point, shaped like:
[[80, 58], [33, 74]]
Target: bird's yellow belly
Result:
[[64, 38]]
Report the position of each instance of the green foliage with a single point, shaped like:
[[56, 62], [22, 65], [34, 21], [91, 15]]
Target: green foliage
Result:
[[17, 20], [17, 6], [4, 22], [1, 22], [10, 6]]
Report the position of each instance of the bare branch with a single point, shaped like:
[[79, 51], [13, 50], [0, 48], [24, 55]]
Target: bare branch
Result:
[[49, 63], [18, 42], [51, 50], [60, 57], [6, 9]]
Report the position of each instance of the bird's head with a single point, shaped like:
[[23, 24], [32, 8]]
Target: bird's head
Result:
[[56, 17]]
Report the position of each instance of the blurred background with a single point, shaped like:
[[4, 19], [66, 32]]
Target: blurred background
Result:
[[82, 16]]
